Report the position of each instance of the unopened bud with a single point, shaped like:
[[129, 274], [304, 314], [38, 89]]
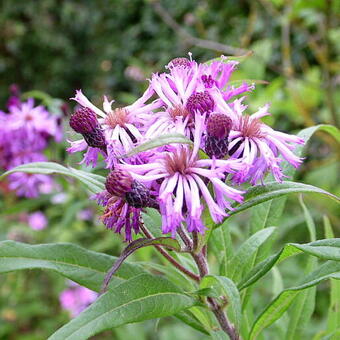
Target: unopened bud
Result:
[[184, 62], [84, 120], [219, 125], [139, 196], [118, 182], [218, 128], [201, 102]]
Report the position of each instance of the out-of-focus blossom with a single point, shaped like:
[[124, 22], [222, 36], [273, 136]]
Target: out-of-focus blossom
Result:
[[76, 298], [25, 132], [85, 214], [37, 220]]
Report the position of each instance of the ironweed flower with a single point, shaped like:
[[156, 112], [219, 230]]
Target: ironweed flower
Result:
[[257, 145], [121, 126], [124, 199], [182, 179]]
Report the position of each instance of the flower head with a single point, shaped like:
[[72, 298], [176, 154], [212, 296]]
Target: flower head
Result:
[[181, 180], [258, 146]]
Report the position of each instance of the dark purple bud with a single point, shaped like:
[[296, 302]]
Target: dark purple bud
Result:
[[118, 182], [139, 196], [219, 125], [84, 120], [208, 81], [216, 147], [96, 139], [184, 62], [201, 102], [218, 128]]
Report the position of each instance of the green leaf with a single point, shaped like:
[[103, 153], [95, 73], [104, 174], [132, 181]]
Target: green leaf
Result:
[[304, 304], [221, 245], [166, 139], [244, 254], [188, 318], [153, 221], [94, 183], [167, 242], [277, 307], [262, 193], [85, 267], [228, 289], [141, 298], [327, 249]]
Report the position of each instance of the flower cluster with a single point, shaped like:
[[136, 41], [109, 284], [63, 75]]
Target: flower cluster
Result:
[[25, 132], [226, 147]]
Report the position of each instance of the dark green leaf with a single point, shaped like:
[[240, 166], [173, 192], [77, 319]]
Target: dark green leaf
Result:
[[94, 183], [167, 242], [141, 298], [327, 249], [85, 267], [244, 254], [262, 193], [277, 307], [228, 289]]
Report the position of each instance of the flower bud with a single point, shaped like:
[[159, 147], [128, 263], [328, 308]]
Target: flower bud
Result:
[[139, 196], [218, 128], [84, 120], [201, 102], [118, 182], [184, 62], [219, 125]]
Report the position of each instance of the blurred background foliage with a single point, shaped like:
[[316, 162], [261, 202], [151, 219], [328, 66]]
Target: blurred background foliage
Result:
[[110, 47]]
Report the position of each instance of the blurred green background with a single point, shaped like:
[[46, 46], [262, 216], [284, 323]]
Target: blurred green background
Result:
[[110, 47]]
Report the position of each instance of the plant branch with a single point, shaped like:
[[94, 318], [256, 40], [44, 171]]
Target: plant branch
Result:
[[170, 258], [190, 39], [221, 317]]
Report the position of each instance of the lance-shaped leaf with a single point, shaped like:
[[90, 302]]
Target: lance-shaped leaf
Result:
[[241, 258], [88, 268], [94, 183], [262, 193], [170, 138], [141, 298], [327, 249], [277, 307], [228, 288], [167, 242]]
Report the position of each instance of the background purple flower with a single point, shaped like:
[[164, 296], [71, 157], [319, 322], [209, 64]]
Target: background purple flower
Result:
[[37, 220], [76, 298]]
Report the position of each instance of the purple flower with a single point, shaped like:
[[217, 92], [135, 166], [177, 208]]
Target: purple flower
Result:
[[37, 220], [187, 89], [33, 121], [30, 185], [181, 180], [76, 298], [257, 145], [123, 200], [120, 126], [24, 134]]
